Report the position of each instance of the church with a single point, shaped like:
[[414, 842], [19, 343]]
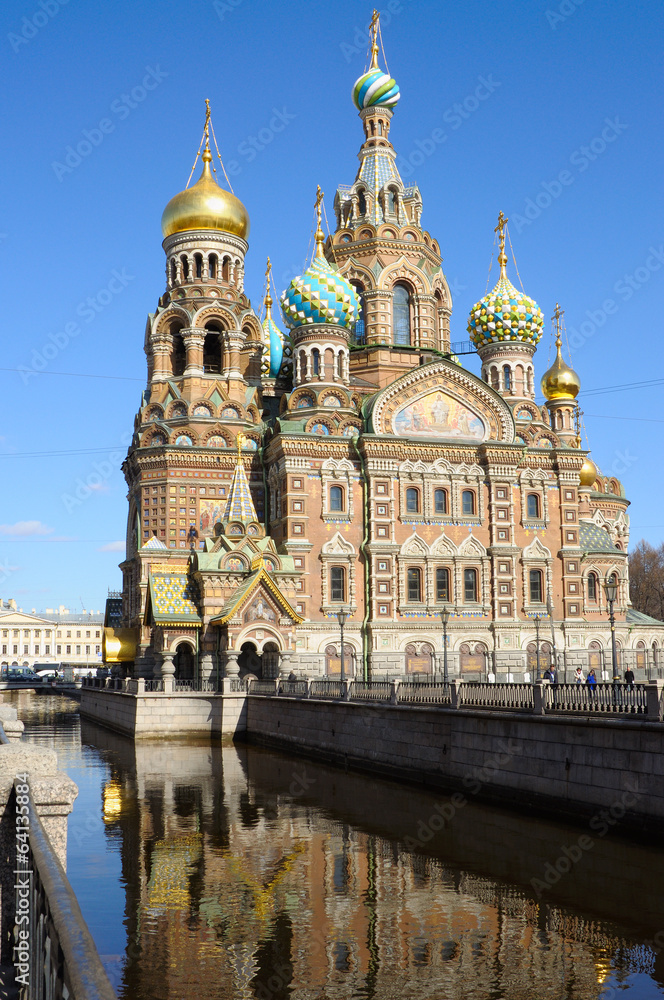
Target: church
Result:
[[330, 473]]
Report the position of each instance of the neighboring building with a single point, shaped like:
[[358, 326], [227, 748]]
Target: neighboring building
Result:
[[355, 464], [49, 637]]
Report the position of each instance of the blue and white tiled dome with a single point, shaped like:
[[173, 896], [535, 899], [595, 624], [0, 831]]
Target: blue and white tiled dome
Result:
[[320, 295], [274, 346]]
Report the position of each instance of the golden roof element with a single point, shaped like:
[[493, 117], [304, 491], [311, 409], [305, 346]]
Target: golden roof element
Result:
[[560, 381], [119, 644], [502, 256], [588, 473], [205, 205]]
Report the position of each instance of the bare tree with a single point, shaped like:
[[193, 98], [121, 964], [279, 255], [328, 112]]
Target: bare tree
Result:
[[646, 579]]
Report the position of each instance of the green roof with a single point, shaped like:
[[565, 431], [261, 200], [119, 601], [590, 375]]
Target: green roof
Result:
[[634, 617]]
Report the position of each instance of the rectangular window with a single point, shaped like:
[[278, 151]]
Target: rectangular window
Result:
[[470, 585], [25, 649], [47, 650], [442, 585], [58, 649], [78, 650], [4, 649], [535, 586], [440, 501], [87, 650], [468, 502], [412, 500], [414, 585], [337, 583], [68, 650]]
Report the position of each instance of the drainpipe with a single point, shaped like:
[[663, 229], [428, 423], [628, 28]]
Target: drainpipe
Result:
[[363, 545]]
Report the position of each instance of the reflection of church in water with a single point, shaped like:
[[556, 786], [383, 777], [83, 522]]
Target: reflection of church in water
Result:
[[353, 463]]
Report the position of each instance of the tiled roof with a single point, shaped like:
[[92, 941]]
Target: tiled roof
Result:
[[240, 506], [173, 598], [592, 538], [154, 543]]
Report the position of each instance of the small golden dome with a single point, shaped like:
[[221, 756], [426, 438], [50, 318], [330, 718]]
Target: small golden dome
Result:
[[205, 206], [588, 473], [560, 381]]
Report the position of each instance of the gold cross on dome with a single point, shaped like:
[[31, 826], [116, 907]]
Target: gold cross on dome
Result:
[[373, 32], [500, 229], [556, 318], [319, 202]]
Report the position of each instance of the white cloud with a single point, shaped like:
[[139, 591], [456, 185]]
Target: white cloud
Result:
[[112, 547], [24, 529]]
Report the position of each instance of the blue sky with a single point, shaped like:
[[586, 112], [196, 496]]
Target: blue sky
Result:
[[546, 109]]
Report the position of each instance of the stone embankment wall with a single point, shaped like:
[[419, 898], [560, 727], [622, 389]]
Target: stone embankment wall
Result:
[[578, 767], [160, 714]]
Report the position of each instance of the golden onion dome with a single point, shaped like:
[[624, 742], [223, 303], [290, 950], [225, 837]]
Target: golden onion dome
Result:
[[588, 473], [205, 206], [560, 381]]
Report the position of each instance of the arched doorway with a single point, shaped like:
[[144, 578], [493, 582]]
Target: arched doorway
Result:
[[270, 660], [595, 657], [184, 662], [250, 661], [640, 655], [472, 661]]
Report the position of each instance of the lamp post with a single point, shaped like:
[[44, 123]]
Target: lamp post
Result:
[[342, 617], [611, 591], [445, 617], [538, 619]]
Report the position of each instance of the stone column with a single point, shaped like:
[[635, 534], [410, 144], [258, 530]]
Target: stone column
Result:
[[193, 342], [232, 667], [284, 664], [167, 669], [234, 342], [161, 349], [206, 665]]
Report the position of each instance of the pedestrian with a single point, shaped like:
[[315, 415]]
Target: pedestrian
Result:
[[547, 675], [591, 681], [629, 678], [578, 676]]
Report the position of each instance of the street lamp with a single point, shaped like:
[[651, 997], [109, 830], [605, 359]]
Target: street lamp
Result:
[[611, 591], [445, 617], [342, 617], [538, 619]]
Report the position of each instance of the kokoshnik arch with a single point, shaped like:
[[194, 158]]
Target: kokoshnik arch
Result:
[[352, 463]]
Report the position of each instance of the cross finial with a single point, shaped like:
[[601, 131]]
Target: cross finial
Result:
[[206, 129], [319, 236], [500, 229], [268, 297], [556, 318], [373, 32]]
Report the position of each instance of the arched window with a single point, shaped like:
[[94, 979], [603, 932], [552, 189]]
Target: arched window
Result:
[[174, 272], [198, 263], [470, 585], [178, 356], [536, 588], [440, 501], [442, 584], [533, 505], [360, 332], [212, 265], [336, 498], [226, 269], [185, 267], [315, 361], [390, 200], [212, 353], [592, 586], [340, 365], [401, 315], [337, 584], [507, 377], [468, 502], [361, 203], [414, 585], [412, 500]]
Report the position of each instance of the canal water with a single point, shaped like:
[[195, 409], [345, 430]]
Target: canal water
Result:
[[232, 872]]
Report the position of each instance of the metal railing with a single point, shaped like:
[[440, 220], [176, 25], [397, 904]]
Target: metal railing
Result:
[[266, 688], [607, 699], [418, 693], [156, 685], [370, 691], [510, 696], [297, 688], [60, 955], [326, 687]]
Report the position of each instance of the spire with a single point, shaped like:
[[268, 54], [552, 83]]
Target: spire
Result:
[[240, 506], [268, 298]]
